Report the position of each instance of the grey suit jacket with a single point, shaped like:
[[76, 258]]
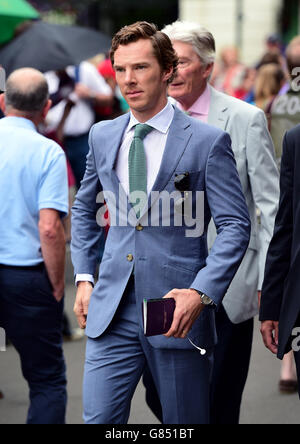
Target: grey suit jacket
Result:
[[254, 154]]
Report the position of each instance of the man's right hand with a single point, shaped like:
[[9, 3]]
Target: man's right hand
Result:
[[83, 296], [59, 291]]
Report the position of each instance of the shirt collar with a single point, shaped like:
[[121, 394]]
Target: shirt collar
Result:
[[201, 106], [19, 122], [161, 121]]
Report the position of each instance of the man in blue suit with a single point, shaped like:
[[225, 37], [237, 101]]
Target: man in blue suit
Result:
[[152, 250]]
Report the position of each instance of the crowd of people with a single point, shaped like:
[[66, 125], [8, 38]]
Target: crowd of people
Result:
[[194, 124]]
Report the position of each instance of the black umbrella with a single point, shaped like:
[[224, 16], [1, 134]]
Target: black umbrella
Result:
[[47, 47]]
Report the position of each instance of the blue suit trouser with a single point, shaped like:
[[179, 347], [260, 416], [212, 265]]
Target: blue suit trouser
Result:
[[116, 360], [32, 320]]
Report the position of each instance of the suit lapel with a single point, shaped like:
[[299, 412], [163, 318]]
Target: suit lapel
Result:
[[114, 139], [218, 112], [178, 138]]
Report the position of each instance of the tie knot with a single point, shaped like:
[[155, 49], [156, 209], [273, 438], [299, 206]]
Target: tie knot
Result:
[[141, 130]]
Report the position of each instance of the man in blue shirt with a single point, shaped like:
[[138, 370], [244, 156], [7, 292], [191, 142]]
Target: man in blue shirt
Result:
[[33, 200]]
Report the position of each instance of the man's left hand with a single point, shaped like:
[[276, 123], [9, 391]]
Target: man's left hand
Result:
[[188, 309]]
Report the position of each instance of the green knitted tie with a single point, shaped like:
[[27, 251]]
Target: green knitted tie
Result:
[[137, 165]]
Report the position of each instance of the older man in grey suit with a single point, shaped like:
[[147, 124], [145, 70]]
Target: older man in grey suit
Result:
[[254, 153]]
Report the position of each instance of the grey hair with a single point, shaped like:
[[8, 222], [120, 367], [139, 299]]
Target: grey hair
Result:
[[196, 35], [32, 100]]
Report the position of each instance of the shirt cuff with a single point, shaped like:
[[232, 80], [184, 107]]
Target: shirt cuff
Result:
[[84, 278]]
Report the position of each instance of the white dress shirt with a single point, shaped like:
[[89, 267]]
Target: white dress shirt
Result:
[[154, 144]]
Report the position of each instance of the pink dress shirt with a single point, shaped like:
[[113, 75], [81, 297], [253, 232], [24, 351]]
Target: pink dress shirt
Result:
[[200, 109]]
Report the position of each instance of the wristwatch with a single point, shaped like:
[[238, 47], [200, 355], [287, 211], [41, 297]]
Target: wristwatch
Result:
[[205, 299]]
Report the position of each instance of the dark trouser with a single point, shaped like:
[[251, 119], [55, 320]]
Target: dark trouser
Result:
[[77, 149], [231, 366], [152, 397], [297, 353], [297, 360], [32, 320]]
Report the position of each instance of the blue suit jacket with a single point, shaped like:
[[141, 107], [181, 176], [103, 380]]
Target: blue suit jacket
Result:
[[164, 258]]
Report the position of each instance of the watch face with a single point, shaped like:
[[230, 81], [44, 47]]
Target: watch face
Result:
[[206, 300]]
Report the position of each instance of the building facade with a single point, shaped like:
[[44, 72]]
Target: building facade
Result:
[[244, 23]]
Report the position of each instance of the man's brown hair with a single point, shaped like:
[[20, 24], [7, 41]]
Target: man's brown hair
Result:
[[162, 45]]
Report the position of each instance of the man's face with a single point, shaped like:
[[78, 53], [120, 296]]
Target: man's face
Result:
[[191, 78], [140, 78]]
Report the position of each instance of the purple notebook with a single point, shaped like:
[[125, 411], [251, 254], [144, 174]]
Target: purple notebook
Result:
[[158, 315]]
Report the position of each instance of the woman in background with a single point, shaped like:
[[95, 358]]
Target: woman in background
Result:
[[269, 80]]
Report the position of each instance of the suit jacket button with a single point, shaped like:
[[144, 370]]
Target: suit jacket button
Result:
[[129, 257], [139, 227]]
